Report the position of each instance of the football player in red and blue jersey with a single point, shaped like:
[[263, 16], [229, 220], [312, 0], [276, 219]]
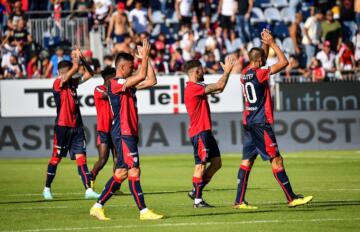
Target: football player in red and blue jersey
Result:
[[200, 128], [69, 134], [259, 137], [125, 129], [104, 120]]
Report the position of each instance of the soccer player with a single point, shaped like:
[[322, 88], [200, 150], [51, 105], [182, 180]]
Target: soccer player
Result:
[[125, 130], [205, 147], [258, 119], [68, 132], [104, 120]]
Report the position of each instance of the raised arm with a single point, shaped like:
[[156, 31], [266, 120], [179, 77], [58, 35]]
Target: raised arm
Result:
[[219, 86], [74, 69], [134, 80], [150, 78], [282, 60], [265, 46]]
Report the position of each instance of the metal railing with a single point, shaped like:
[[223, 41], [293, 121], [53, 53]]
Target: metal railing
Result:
[[46, 32]]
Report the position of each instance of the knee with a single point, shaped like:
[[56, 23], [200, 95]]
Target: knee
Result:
[[121, 174], [80, 160], [277, 162], [217, 164], [199, 170], [134, 172], [54, 161]]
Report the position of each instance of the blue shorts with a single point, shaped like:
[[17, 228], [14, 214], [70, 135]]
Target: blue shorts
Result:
[[127, 151], [69, 139], [119, 38], [205, 147], [259, 139], [104, 138]]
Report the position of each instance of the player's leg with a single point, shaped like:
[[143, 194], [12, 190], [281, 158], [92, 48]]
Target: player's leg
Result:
[[78, 152], [214, 157], [104, 150], [131, 158], [112, 185], [59, 150], [249, 156]]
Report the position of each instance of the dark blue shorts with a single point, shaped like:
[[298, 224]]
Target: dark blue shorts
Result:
[[119, 38], [259, 139], [104, 138], [69, 139], [205, 147], [127, 150]]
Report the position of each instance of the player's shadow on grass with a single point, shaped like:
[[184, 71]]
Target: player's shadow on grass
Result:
[[42, 201], [319, 204]]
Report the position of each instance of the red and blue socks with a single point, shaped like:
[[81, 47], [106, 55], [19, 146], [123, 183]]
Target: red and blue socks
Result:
[[51, 171], [136, 191], [198, 186], [83, 171], [243, 177], [283, 180], [111, 187]]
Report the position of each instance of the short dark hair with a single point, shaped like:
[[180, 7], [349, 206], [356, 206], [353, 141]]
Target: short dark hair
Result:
[[123, 56], [191, 64], [256, 53], [64, 64], [108, 57], [108, 72]]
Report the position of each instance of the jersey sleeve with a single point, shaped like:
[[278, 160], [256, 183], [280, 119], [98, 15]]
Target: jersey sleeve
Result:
[[198, 90], [118, 85], [98, 93], [263, 74]]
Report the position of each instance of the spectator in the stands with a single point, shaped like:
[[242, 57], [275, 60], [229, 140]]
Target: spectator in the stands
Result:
[[187, 45], [93, 62], [348, 18], [126, 46], [226, 12], [176, 61], [244, 8], [318, 73], [233, 43], [45, 71], [119, 25], [108, 60], [55, 59], [103, 11], [16, 14], [327, 59], [138, 18], [21, 34], [331, 31], [203, 8], [211, 66], [346, 60], [357, 12], [184, 12], [9, 48], [14, 69], [296, 36], [32, 68], [357, 46], [312, 32]]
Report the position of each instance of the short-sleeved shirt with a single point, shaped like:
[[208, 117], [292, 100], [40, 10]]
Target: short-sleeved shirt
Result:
[[103, 110], [67, 103], [197, 107], [256, 91], [123, 104], [314, 30]]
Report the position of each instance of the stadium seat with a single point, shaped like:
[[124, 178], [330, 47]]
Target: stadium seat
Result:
[[288, 46], [287, 15], [156, 30], [272, 14], [157, 17], [171, 18], [200, 45], [257, 15], [281, 30], [279, 3], [263, 3]]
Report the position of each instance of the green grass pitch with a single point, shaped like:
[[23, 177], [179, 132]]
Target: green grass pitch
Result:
[[332, 177]]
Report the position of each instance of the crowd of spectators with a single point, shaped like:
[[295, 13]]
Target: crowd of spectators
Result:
[[324, 34]]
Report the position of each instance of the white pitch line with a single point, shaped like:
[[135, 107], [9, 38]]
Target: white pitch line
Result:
[[184, 224]]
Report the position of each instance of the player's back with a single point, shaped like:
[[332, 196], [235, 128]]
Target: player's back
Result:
[[256, 92], [197, 107], [103, 109], [67, 103], [123, 105]]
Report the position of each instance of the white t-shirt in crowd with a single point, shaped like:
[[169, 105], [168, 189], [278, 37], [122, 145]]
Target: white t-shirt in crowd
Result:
[[185, 7], [228, 7], [102, 7], [138, 19], [328, 62], [314, 30]]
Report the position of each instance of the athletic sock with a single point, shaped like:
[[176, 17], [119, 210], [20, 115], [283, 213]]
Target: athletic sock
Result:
[[51, 172], [198, 187], [111, 186], [84, 171], [283, 180], [243, 177], [136, 191]]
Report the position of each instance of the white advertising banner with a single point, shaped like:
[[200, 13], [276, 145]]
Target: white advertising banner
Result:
[[33, 98]]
